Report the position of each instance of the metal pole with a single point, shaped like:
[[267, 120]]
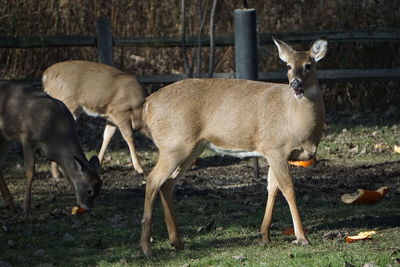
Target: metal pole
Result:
[[246, 60], [104, 41]]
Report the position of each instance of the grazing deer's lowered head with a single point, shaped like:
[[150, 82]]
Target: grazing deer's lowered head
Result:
[[278, 122]]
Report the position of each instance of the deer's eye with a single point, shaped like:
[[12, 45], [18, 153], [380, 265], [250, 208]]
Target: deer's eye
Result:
[[89, 191], [289, 67], [307, 66]]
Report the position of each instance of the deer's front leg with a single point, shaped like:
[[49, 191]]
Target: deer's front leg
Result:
[[272, 192], [5, 193], [108, 134], [284, 181], [29, 170]]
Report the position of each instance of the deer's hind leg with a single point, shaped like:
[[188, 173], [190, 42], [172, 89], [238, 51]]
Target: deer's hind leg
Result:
[[171, 164], [124, 124], [166, 194]]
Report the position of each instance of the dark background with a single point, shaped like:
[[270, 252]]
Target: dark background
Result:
[[151, 18]]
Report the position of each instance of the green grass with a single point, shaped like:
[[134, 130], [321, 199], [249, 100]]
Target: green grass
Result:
[[101, 240], [109, 235]]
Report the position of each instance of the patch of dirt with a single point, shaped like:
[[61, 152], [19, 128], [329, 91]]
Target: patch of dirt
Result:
[[227, 175]]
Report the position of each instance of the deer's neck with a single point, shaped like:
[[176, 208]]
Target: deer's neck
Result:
[[307, 115], [63, 157]]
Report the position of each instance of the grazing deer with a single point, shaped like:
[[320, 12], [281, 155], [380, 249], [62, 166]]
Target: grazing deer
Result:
[[99, 90], [279, 122], [43, 124]]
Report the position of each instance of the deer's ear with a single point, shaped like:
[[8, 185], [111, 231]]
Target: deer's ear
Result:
[[79, 166], [283, 48], [95, 162], [318, 49]]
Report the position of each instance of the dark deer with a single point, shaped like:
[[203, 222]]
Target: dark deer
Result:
[[43, 124]]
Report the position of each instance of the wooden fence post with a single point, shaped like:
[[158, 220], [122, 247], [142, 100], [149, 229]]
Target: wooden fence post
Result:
[[104, 41], [246, 61]]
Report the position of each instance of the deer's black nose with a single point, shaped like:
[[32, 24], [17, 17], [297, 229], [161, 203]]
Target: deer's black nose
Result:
[[296, 84]]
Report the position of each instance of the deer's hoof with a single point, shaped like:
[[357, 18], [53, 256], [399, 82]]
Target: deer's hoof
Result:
[[178, 245], [266, 238], [301, 241], [146, 251]]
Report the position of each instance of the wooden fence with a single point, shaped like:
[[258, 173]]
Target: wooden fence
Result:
[[105, 43]]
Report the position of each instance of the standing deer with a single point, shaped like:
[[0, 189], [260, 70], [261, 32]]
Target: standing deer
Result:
[[99, 90], [43, 124], [274, 121]]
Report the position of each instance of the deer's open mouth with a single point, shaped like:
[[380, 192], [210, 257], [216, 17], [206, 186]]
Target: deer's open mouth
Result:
[[298, 93], [297, 87]]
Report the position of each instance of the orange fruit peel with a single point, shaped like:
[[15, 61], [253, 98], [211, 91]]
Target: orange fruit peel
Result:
[[77, 210], [365, 196], [302, 163], [360, 236]]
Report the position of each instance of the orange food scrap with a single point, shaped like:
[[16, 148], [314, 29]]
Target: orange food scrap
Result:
[[290, 231], [365, 196], [302, 163], [77, 210], [360, 236]]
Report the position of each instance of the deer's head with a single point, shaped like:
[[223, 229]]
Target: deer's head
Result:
[[301, 64], [84, 175]]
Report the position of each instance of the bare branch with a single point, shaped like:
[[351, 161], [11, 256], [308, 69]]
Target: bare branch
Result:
[[186, 66], [202, 18], [212, 37]]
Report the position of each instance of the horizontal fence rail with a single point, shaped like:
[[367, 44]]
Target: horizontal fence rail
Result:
[[47, 41], [277, 76], [104, 41], [222, 40]]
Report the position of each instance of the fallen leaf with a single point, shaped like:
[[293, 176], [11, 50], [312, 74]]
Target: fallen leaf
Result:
[[361, 236], [365, 196], [381, 147], [77, 210]]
